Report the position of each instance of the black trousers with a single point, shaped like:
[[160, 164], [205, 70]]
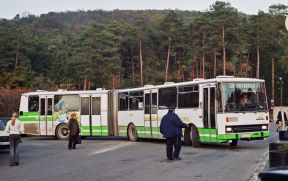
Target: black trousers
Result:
[[170, 143], [72, 141], [14, 149]]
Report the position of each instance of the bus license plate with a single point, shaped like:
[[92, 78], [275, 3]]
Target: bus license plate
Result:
[[246, 135]]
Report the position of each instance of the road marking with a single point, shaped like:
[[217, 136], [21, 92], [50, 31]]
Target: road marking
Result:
[[119, 145]]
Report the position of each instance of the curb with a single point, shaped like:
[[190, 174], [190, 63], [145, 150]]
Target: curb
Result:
[[262, 164]]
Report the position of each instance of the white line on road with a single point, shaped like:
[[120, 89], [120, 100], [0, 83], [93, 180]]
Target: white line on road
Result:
[[119, 145]]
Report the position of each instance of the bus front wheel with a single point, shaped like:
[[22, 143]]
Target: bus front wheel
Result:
[[62, 132], [195, 137], [132, 133], [187, 137], [233, 143]]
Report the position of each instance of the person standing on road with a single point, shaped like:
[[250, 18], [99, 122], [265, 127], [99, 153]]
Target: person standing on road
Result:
[[171, 128], [14, 128], [74, 131], [281, 117]]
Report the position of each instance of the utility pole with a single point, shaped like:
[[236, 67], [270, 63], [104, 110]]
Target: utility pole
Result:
[[273, 79]]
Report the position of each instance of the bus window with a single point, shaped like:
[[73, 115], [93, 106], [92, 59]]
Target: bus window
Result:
[[188, 96], [66, 103], [167, 97], [42, 106], [154, 103], [136, 100], [123, 101], [33, 104], [49, 110], [244, 96], [96, 104], [147, 104], [85, 106]]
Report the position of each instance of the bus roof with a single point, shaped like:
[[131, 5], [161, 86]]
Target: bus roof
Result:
[[195, 82], [168, 84], [64, 92]]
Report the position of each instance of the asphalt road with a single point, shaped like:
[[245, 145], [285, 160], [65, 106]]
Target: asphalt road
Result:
[[43, 158]]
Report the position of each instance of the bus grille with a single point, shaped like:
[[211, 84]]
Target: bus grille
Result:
[[246, 128]]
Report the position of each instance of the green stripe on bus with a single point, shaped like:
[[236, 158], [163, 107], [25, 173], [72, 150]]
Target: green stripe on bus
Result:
[[95, 127], [264, 134], [28, 119], [206, 131], [30, 113], [35, 118]]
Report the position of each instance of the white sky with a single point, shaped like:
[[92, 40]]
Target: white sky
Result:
[[9, 8]]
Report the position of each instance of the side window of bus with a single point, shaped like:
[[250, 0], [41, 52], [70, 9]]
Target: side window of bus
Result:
[[96, 104], [85, 106], [123, 101], [33, 103], [188, 96], [65, 103], [167, 97], [136, 100]]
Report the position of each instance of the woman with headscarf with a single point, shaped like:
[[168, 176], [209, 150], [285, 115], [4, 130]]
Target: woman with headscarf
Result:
[[14, 129], [74, 131]]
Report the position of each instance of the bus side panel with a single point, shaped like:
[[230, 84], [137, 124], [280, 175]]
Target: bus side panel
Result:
[[135, 117]]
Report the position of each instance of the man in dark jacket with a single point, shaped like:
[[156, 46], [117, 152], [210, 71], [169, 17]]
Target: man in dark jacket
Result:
[[171, 128]]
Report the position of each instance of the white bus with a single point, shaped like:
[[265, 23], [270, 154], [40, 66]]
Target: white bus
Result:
[[47, 113], [224, 109]]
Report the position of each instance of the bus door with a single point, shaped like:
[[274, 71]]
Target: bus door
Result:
[[90, 119], [150, 114], [209, 112], [45, 118]]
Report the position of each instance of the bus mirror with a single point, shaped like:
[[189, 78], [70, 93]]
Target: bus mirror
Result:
[[218, 94]]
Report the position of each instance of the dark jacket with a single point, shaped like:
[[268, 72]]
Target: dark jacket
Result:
[[73, 127], [279, 118], [171, 126]]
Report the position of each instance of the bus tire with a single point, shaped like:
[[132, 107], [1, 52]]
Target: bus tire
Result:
[[132, 133], [195, 137], [234, 143], [62, 132], [187, 137]]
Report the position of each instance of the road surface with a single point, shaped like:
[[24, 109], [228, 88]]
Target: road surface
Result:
[[103, 159]]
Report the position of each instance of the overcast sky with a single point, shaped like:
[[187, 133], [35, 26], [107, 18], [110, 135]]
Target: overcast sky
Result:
[[9, 8]]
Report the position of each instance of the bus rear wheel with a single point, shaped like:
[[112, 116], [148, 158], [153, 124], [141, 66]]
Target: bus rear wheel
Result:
[[62, 132], [195, 137], [132, 133]]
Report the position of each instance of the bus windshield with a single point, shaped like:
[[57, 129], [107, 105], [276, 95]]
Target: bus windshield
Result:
[[244, 97]]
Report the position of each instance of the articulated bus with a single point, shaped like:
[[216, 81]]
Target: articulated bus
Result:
[[223, 109]]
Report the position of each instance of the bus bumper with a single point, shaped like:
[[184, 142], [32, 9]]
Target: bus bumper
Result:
[[243, 136]]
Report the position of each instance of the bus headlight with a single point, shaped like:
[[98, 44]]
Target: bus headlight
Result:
[[228, 129], [264, 127]]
